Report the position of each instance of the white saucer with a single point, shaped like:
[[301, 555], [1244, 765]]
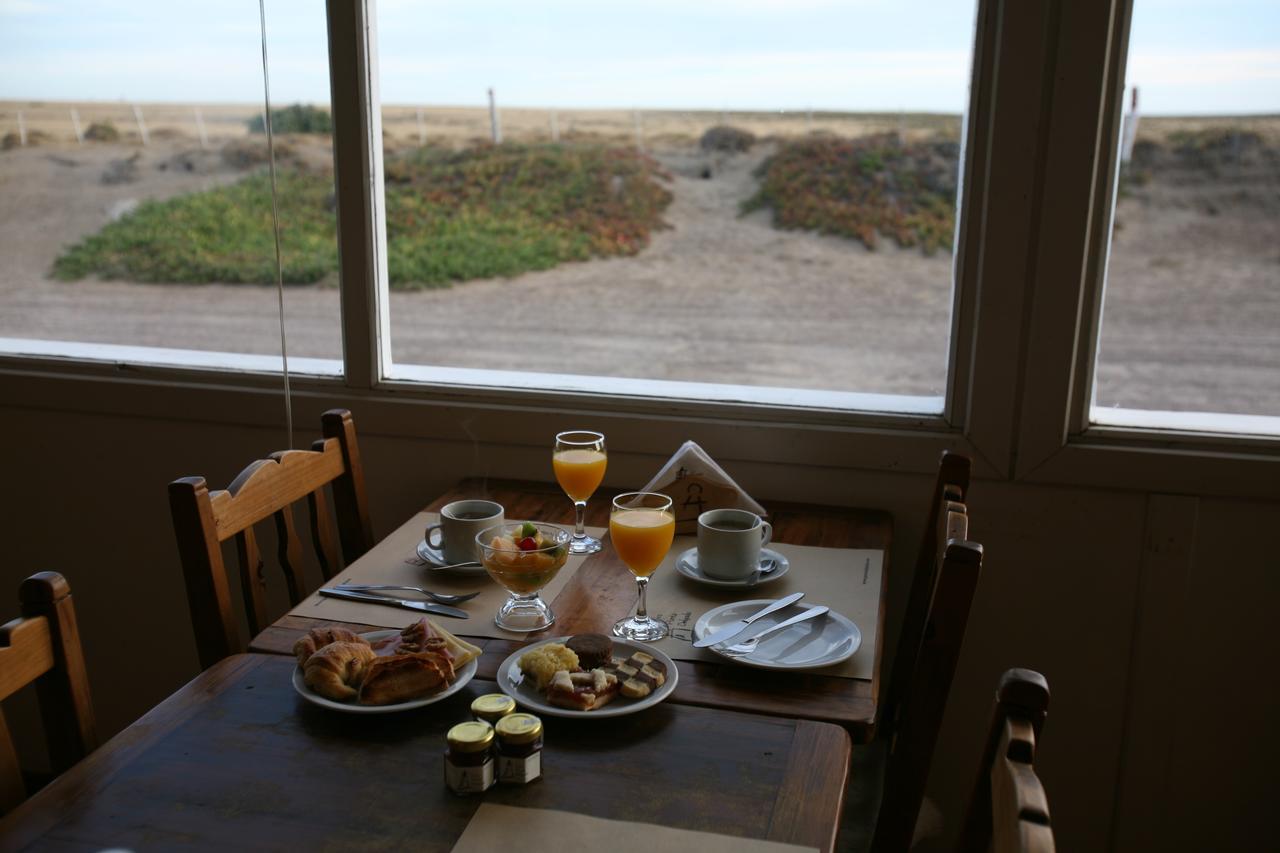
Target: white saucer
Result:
[[687, 565], [435, 560]]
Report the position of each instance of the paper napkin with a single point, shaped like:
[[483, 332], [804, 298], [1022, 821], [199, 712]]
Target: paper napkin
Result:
[[695, 484]]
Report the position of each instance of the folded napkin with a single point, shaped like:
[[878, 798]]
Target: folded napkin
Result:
[[695, 484]]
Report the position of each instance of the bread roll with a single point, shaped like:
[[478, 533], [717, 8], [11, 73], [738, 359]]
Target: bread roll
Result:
[[337, 670]]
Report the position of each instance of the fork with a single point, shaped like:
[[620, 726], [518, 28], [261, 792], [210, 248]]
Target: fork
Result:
[[748, 646], [438, 597]]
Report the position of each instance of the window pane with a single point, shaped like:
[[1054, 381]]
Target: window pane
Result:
[[136, 208], [1191, 316], [758, 194]]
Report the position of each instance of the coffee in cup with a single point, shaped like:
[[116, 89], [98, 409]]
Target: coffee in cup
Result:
[[729, 543], [459, 523]]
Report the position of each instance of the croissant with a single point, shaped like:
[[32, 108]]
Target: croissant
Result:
[[318, 638], [399, 678], [337, 670]]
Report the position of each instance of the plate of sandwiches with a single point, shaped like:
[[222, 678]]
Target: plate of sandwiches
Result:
[[587, 675], [382, 671]]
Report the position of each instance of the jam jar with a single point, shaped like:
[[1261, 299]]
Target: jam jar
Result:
[[519, 748], [492, 707], [468, 761]]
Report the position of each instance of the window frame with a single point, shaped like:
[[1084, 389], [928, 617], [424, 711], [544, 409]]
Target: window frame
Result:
[[1024, 313]]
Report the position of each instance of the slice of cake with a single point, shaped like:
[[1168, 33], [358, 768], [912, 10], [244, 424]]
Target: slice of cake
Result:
[[582, 691]]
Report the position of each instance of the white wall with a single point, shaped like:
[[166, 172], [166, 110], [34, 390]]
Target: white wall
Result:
[[1062, 592]]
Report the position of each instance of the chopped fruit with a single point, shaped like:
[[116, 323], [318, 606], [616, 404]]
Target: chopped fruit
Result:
[[528, 529], [528, 543]]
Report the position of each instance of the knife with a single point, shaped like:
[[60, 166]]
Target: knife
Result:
[[730, 631], [420, 606]]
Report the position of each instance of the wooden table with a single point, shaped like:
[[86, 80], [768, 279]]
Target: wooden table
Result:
[[236, 759], [603, 591]]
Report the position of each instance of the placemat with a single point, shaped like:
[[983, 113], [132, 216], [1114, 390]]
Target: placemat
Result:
[[845, 579], [394, 560], [495, 827]]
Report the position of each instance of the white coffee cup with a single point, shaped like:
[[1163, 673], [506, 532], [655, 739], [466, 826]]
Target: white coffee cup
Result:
[[459, 523], [729, 543]]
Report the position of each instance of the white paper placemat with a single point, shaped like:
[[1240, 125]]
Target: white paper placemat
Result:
[[394, 560], [495, 827]]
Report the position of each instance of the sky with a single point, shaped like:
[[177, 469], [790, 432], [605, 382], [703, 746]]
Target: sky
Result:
[[1208, 57]]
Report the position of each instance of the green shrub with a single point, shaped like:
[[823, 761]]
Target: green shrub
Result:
[[488, 211], [862, 188], [102, 131], [299, 118]]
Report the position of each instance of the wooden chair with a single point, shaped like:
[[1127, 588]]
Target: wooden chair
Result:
[[203, 520], [44, 647], [1009, 811], [895, 767]]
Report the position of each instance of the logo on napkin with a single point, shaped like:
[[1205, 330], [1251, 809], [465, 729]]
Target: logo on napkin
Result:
[[695, 484]]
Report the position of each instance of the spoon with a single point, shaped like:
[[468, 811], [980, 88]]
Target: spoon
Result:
[[438, 597], [767, 566]]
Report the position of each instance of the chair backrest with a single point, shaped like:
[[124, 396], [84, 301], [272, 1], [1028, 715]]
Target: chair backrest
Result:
[[919, 713], [44, 647], [949, 488], [1009, 810], [203, 520]]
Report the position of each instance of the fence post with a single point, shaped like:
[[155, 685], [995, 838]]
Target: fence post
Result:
[[22, 130], [495, 129], [142, 125], [204, 137], [75, 125], [422, 129], [555, 127], [1129, 130]]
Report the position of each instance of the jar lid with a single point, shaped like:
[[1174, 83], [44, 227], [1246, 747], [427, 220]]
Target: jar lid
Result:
[[519, 728], [470, 737], [493, 706]]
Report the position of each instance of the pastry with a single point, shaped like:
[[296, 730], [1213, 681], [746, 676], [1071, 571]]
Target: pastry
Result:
[[400, 678], [593, 650], [582, 691], [318, 638], [337, 670], [544, 662], [638, 675]]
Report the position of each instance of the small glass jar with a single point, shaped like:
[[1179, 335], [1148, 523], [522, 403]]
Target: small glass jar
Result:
[[519, 748], [492, 707], [468, 761]]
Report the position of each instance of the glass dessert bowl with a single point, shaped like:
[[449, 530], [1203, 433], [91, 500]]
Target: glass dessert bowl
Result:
[[524, 557]]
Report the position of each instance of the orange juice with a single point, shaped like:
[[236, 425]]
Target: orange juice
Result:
[[642, 537], [579, 471]]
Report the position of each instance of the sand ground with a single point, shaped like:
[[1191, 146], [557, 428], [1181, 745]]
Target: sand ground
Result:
[[1192, 322]]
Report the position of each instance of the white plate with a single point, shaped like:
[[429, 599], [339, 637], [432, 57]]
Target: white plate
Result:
[[821, 641], [512, 682], [435, 560], [464, 675], [687, 565]]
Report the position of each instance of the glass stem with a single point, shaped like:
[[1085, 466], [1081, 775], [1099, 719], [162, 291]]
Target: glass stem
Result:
[[642, 613], [580, 520]]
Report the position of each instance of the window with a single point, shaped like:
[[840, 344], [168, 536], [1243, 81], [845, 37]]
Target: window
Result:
[[1191, 316], [136, 209], [756, 201]]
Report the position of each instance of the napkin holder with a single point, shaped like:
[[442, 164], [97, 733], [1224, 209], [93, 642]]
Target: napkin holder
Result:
[[696, 484]]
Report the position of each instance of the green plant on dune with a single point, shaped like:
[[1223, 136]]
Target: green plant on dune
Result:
[[451, 216], [863, 188]]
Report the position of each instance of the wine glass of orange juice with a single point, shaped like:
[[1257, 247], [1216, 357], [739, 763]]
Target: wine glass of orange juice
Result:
[[642, 527], [579, 460]]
